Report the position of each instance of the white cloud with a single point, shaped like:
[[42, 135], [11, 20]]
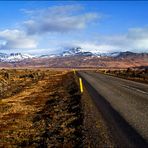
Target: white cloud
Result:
[[59, 19], [136, 39], [92, 46], [138, 33], [16, 39], [69, 19], [95, 47]]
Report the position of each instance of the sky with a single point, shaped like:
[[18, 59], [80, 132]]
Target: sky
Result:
[[48, 27]]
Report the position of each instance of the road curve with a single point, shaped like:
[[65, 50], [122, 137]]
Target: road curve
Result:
[[124, 104]]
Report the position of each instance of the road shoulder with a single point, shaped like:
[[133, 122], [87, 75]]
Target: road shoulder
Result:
[[96, 132]]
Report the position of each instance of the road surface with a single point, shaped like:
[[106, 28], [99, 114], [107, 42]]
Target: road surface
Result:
[[124, 104]]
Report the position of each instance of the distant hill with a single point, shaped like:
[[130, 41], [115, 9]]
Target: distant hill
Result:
[[14, 57], [76, 57]]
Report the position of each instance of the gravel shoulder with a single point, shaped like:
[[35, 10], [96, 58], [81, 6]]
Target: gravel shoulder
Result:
[[96, 132]]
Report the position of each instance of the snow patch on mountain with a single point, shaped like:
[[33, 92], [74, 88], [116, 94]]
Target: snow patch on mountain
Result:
[[14, 57], [68, 52], [76, 51], [48, 56]]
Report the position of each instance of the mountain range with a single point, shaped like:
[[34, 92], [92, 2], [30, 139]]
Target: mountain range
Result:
[[75, 57], [14, 57]]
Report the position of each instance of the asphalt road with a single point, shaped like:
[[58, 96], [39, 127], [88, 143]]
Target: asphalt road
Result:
[[124, 104]]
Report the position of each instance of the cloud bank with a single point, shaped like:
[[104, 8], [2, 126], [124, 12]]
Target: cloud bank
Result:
[[64, 21], [40, 22], [16, 39], [135, 39], [59, 19]]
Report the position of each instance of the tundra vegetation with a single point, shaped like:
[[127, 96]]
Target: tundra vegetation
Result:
[[139, 75], [39, 108]]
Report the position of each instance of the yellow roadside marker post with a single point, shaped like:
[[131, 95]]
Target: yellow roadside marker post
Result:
[[74, 71], [81, 85]]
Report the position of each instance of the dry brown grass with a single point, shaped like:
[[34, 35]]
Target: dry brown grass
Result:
[[45, 113], [139, 75]]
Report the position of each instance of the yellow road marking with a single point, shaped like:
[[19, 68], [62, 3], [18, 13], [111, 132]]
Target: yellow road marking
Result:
[[81, 85]]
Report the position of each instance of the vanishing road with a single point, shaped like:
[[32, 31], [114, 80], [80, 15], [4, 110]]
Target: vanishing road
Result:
[[123, 103]]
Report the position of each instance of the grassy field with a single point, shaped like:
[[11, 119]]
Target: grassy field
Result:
[[39, 108], [13, 81]]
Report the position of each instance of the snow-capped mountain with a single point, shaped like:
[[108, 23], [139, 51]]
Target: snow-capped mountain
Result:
[[69, 52], [110, 54], [48, 56], [2, 55], [76, 51], [14, 57]]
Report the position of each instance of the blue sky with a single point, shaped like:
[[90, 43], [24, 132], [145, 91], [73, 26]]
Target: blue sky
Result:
[[37, 27]]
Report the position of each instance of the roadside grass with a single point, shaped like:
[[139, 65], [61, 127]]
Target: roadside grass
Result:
[[139, 75], [45, 112]]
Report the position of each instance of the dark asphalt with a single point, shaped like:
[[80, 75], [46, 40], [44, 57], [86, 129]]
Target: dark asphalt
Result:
[[124, 104]]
